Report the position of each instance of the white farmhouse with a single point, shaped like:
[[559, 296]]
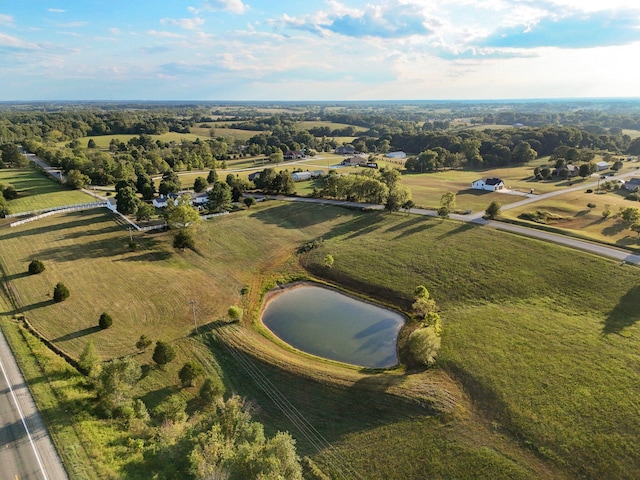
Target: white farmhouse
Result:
[[490, 184], [396, 155]]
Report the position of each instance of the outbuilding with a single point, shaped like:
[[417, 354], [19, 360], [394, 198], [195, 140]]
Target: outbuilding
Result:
[[300, 176], [396, 155]]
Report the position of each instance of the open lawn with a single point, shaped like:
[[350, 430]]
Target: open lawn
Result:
[[219, 130], [332, 125], [102, 141], [37, 191], [538, 372]]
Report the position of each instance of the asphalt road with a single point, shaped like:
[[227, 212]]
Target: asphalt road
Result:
[[26, 450]]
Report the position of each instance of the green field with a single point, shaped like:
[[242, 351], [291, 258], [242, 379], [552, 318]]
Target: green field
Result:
[[537, 378], [102, 141], [37, 191]]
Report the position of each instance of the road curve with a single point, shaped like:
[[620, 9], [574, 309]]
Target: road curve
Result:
[[26, 450]]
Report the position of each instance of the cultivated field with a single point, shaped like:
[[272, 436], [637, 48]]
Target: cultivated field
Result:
[[538, 371]]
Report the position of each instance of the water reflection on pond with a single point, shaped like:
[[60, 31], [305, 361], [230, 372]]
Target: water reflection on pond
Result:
[[328, 324]]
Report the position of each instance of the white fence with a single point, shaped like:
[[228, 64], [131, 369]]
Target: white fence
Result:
[[68, 208]]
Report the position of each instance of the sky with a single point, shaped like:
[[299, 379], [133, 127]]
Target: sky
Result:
[[318, 50]]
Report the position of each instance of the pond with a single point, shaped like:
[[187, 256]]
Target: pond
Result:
[[332, 325]]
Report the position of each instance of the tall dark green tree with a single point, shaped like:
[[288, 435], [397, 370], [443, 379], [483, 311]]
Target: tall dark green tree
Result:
[[127, 201]]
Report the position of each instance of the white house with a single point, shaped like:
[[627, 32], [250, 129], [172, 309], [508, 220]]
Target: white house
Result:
[[490, 184], [300, 176], [396, 155], [200, 199], [602, 165]]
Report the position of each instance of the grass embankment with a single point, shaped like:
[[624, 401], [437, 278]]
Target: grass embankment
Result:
[[37, 191], [547, 356]]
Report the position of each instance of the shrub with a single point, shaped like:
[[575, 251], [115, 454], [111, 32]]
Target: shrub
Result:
[[35, 267], [234, 312], [633, 196], [424, 344], [183, 239], [143, 342], [588, 190], [10, 193], [591, 205], [105, 320], [211, 389], [60, 292]]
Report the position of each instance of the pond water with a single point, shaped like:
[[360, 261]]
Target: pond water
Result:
[[328, 324]]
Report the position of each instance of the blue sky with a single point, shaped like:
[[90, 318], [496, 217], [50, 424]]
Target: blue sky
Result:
[[312, 50]]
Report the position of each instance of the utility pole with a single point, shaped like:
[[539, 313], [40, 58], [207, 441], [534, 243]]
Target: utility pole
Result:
[[193, 309], [130, 234]]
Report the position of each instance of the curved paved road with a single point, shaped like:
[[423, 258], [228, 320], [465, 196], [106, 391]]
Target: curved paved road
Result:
[[26, 450]]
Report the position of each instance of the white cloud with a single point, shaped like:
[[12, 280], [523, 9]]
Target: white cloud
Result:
[[186, 23], [164, 34], [233, 6], [13, 42], [114, 31], [6, 19], [56, 10]]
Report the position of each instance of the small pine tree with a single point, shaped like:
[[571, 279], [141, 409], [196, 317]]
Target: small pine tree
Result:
[[163, 353], [35, 267], [89, 358], [105, 320], [493, 210], [60, 292], [183, 239], [189, 372]]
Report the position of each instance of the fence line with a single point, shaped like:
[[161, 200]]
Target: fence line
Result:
[[52, 209], [72, 208]]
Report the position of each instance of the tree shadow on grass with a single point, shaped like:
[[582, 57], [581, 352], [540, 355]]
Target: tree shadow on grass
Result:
[[426, 225], [16, 276], [73, 221], [35, 306], [614, 229], [77, 334], [297, 215], [154, 398], [625, 314], [464, 227]]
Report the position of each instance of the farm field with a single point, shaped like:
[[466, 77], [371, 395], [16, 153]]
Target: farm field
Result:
[[580, 220], [534, 375], [220, 130], [332, 125], [102, 141], [37, 191]]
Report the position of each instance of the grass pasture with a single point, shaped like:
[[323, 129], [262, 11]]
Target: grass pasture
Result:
[[37, 191], [539, 359]]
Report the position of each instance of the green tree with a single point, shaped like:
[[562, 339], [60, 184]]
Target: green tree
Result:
[[493, 210], [173, 409], [585, 170], [127, 202], [163, 353], [635, 227], [143, 342], [145, 211], [408, 205], [35, 267], [211, 389], [105, 320], [234, 312], [189, 372], [184, 239], [91, 143], [11, 155], [276, 157], [76, 179], [60, 292], [424, 344], [523, 153], [447, 202], [200, 184], [89, 359], [219, 197], [629, 215], [181, 214], [421, 292], [9, 192], [4, 207], [212, 177], [398, 196], [249, 201], [115, 384]]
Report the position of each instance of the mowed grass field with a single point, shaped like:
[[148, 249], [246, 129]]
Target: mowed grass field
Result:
[[539, 360], [37, 191]]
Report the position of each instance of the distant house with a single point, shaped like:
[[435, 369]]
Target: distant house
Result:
[[317, 173], [300, 176], [293, 155], [490, 184], [355, 160], [200, 199], [163, 201], [602, 166], [573, 170], [396, 155], [345, 150], [632, 184]]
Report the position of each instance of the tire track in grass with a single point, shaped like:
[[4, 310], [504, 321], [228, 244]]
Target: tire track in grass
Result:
[[230, 335]]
